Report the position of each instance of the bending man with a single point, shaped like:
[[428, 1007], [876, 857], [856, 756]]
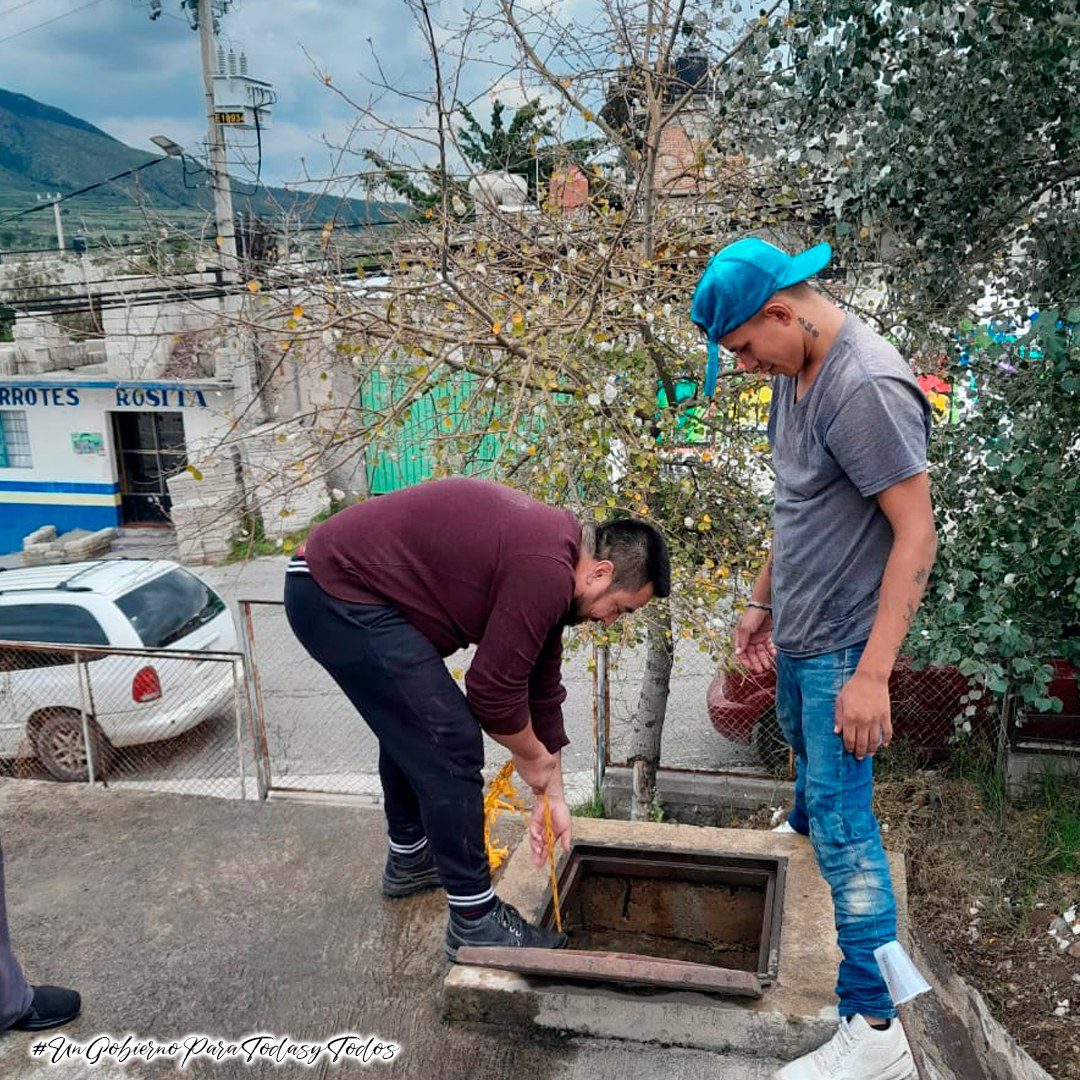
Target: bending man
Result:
[[385, 589]]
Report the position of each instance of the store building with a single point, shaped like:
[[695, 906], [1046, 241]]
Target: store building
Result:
[[82, 451]]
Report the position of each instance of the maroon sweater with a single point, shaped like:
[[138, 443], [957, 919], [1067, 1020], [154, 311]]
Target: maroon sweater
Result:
[[467, 562]]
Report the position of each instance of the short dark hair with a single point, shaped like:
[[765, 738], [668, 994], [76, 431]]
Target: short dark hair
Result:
[[637, 550]]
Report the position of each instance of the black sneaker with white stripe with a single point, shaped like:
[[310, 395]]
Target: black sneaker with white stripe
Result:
[[502, 925], [298, 565], [408, 873]]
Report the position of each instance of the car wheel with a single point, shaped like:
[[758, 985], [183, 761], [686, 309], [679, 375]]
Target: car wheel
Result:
[[769, 743], [60, 747]]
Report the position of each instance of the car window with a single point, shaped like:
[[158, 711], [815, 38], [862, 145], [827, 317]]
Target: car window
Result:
[[61, 624], [169, 608]]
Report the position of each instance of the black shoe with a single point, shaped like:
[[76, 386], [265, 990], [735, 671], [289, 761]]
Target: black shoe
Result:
[[51, 1007], [408, 874], [502, 925]]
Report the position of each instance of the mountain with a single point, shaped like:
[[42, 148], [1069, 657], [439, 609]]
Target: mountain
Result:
[[44, 149]]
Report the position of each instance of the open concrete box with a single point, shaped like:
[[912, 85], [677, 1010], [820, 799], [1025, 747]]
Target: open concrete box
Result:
[[714, 938]]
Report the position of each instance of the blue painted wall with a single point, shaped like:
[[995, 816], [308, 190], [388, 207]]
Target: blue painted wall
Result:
[[17, 518]]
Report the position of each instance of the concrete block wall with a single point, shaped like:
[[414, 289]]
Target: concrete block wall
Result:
[[285, 477], [207, 508], [140, 338], [44, 546]]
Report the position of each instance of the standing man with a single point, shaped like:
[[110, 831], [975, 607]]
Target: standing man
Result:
[[385, 589], [853, 543]]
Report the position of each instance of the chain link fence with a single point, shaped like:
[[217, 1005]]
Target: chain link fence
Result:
[[722, 719], [149, 719], [312, 740]]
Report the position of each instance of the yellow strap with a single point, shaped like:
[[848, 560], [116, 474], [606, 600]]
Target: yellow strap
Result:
[[549, 834], [502, 796]]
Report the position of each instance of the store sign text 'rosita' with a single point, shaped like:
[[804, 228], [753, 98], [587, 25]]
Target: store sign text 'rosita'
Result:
[[150, 397]]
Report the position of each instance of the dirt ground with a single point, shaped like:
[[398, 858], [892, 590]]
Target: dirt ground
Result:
[[988, 882]]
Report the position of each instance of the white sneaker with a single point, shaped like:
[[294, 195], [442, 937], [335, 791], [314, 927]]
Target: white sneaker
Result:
[[856, 1052], [785, 827]]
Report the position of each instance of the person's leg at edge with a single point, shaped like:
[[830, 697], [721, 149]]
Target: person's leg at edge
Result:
[[846, 838], [16, 994], [789, 716]]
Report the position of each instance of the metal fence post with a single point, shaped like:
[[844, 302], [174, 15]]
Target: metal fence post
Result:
[[83, 677], [237, 710], [255, 701], [602, 713], [1006, 727]]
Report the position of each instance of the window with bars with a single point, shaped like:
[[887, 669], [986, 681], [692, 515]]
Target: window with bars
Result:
[[14, 440]]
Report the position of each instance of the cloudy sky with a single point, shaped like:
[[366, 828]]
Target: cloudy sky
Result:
[[109, 64]]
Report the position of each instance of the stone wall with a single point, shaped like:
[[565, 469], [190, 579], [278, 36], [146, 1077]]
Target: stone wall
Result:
[[286, 477], [43, 546], [207, 507]]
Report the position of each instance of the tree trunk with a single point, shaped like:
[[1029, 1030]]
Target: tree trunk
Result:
[[648, 726]]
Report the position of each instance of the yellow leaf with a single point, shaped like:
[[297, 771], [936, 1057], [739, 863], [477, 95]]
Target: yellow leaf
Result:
[[496, 328], [196, 475], [298, 312], [588, 116], [253, 286], [287, 545], [531, 451]]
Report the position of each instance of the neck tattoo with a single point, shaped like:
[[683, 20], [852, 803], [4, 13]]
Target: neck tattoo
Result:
[[809, 327]]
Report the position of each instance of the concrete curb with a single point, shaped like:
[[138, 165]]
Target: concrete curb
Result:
[[697, 798]]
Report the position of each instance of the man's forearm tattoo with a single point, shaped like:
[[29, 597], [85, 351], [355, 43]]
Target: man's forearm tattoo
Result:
[[922, 575]]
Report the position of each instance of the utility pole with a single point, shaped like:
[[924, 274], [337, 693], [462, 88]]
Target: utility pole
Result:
[[219, 169], [55, 200]]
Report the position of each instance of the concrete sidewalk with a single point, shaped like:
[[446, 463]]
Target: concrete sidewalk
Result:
[[177, 915]]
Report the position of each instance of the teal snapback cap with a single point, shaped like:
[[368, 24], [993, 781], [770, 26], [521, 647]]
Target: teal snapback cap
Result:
[[737, 283]]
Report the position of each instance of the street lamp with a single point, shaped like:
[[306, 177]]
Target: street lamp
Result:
[[164, 143]]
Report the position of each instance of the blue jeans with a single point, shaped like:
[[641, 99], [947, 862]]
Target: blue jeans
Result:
[[833, 805]]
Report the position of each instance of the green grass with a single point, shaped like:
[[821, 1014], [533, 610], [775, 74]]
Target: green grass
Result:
[[257, 543], [593, 808], [1058, 801]]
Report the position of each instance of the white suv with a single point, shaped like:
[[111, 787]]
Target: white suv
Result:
[[124, 603]]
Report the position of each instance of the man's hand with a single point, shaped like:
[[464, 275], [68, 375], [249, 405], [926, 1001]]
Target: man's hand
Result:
[[537, 771], [862, 715], [753, 641], [560, 827]]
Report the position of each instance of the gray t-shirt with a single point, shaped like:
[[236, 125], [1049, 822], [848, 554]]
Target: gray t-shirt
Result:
[[862, 426]]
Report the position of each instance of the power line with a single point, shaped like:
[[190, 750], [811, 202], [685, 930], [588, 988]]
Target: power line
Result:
[[55, 18], [83, 191], [25, 3]]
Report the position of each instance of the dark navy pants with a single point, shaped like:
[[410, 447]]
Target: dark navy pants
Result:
[[431, 749], [15, 992]]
